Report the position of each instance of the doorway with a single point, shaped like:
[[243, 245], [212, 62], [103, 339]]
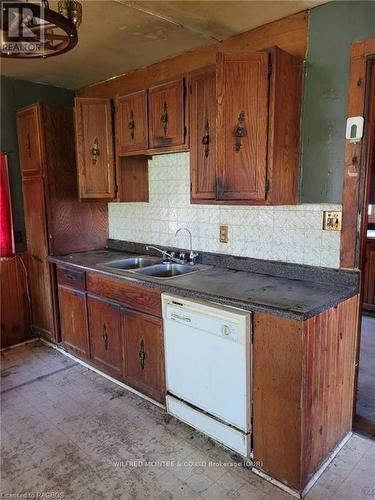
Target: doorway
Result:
[[365, 405]]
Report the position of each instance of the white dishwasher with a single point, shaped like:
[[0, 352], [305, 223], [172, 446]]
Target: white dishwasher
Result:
[[208, 369]]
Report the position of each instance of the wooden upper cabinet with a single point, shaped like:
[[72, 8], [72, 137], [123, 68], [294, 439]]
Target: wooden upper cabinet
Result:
[[203, 134], [242, 126], [166, 107], [29, 140], [94, 146], [132, 123]]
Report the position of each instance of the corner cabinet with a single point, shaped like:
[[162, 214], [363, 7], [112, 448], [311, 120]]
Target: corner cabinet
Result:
[[94, 148], [245, 129]]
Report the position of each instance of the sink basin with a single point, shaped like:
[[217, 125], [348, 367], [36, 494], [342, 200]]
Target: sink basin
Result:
[[133, 262], [168, 270]]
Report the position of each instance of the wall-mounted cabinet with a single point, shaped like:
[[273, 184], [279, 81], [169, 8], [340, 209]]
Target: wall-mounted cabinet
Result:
[[94, 148], [132, 124], [252, 156]]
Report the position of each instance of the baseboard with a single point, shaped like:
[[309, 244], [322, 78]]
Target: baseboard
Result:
[[96, 370], [19, 344], [313, 479]]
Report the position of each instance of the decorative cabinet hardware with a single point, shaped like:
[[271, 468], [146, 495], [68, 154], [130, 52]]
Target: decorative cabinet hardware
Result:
[[131, 125], [105, 338], [206, 139], [95, 151], [164, 118], [28, 144], [142, 354], [240, 130]]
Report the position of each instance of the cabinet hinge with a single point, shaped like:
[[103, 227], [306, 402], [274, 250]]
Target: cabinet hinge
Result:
[[116, 188], [185, 131], [270, 68], [267, 186]]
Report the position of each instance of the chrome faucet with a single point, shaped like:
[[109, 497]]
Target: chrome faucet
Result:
[[192, 255], [171, 255]]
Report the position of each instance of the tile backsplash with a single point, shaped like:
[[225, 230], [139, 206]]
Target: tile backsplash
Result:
[[285, 233]]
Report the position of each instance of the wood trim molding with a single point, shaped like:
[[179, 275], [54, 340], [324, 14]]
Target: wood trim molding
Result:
[[353, 168]]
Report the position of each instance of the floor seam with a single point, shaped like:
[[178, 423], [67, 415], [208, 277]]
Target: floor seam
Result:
[[37, 379]]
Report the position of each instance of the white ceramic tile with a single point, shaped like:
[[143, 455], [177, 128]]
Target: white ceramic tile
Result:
[[286, 233]]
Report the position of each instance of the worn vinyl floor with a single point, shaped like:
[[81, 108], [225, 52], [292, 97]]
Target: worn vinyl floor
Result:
[[69, 433], [366, 380]]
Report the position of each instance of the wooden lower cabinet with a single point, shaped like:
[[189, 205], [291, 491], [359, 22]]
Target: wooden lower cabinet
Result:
[[104, 317], [73, 321], [144, 353]]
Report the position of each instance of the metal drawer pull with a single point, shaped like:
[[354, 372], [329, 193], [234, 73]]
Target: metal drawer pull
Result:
[[183, 318], [28, 144], [240, 130], [105, 338], [142, 354], [95, 151], [69, 276], [164, 118], [206, 139], [131, 125]]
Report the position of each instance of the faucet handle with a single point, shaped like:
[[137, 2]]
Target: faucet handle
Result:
[[182, 257]]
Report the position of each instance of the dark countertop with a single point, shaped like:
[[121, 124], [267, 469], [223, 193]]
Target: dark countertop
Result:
[[253, 291]]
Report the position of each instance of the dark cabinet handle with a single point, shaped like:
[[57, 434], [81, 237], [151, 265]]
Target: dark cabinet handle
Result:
[[240, 130], [105, 338], [69, 277], [164, 118], [131, 125], [206, 139], [142, 354], [28, 144], [35, 257], [95, 151]]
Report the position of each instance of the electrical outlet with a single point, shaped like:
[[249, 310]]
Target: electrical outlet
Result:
[[223, 234], [332, 221]]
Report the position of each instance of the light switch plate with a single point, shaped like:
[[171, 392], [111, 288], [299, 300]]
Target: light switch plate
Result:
[[332, 221], [223, 234]]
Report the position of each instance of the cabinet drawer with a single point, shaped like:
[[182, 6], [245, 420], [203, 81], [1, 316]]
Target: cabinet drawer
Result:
[[135, 296], [71, 277]]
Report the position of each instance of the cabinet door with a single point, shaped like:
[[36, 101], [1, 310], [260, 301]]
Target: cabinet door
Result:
[[29, 140], [203, 135], [73, 321], [167, 115], [369, 277], [105, 334], [131, 116], [37, 247], [242, 124], [94, 146], [144, 354]]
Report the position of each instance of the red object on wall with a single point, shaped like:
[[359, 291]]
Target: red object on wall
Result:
[[6, 222]]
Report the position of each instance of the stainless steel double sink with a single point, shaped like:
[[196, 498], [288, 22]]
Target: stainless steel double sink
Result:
[[152, 266]]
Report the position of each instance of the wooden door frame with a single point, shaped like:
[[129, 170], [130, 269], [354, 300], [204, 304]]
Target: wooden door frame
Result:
[[355, 157]]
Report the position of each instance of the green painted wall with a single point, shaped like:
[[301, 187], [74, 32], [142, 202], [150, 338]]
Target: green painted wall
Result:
[[16, 94], [332, 29]]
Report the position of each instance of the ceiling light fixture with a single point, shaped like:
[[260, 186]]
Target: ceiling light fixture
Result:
[[32, 30]]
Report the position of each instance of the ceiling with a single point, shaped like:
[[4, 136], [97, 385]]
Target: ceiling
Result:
[[118, 36]]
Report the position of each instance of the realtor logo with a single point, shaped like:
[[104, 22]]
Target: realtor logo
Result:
[[20, 29]]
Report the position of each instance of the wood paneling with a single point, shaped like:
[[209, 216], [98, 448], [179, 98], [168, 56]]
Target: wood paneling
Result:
[[73, 321], [105, 329], [303, 390], [144, 354], [353, 174], [132, 178], [132, 123], [277, 396], [30, 150], [94, 145], [15, 317], [136, 296], [368, 277], [289, 33], [38, 265], [202, 124], [166, 108], [242, 102]]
